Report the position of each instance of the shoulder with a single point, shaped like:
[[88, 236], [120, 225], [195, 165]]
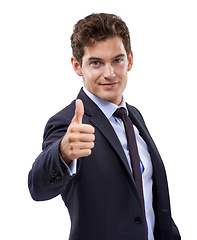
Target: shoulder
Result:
[[65, 114], [134, 111]]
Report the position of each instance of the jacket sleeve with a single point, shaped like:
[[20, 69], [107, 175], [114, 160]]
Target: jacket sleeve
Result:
[[49, 175]]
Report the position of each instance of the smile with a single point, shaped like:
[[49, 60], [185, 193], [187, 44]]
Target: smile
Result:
[[109, 85]]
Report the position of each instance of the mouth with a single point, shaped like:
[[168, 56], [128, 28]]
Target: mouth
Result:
[[108, 85]]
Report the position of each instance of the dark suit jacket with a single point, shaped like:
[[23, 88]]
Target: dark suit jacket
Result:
[[101, 197]]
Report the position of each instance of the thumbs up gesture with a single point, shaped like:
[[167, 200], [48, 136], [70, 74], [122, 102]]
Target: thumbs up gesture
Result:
[[79, 138]]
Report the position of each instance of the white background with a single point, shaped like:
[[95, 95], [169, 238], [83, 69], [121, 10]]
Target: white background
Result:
[[37, 80]]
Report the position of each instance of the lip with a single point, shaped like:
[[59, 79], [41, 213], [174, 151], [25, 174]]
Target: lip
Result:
[[108, 84]]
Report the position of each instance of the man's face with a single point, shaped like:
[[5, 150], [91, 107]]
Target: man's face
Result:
[[104, 69]]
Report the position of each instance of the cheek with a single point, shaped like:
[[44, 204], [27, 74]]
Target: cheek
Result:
[[90, 76], [122, 73], [89, 80]]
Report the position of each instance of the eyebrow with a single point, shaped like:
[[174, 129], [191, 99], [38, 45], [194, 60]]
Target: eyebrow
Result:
[[100, 59]]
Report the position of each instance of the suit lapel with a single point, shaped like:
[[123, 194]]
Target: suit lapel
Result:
[[158, 167], [104, 126], [99, 120], [143, 131], [161, 201]]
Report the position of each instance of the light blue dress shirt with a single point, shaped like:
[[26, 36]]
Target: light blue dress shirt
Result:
[[108, 109]]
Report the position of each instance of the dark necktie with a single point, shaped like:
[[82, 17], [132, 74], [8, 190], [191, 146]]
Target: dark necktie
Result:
[[134, 156]]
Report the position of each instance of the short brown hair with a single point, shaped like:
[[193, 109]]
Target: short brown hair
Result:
[[98, 27]]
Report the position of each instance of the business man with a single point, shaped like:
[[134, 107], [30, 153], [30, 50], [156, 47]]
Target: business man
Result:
[[98, 153]]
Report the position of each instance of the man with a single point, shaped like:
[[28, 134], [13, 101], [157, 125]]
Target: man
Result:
[[87, 156]]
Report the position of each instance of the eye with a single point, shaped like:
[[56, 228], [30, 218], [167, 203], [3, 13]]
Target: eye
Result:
[[117, 60], [95, 63]]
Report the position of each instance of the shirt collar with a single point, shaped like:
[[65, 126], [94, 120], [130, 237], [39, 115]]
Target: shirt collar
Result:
[[106, 107]]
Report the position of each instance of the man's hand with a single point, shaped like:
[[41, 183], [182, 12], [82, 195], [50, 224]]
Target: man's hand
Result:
[[79, 138]]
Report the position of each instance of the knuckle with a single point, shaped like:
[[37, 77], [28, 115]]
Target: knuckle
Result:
[[73, 137], [73, 128], [70, 138], [73, 153]]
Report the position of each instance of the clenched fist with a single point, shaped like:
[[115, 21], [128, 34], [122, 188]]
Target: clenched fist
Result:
[[79, 138]]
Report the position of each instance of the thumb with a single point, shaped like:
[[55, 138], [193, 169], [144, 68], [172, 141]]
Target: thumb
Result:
[[79, 111]]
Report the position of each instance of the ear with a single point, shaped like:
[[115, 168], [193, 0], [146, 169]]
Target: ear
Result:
[[130, 61], [76, 66]]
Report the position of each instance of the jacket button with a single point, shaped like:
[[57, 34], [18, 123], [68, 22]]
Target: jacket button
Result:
[[55, 177], [137, 220], [52, 180]]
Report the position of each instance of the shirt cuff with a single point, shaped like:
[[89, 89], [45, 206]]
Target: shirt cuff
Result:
[[72, 167]]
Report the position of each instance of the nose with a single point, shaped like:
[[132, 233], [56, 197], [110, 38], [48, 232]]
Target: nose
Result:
[[108, 71]]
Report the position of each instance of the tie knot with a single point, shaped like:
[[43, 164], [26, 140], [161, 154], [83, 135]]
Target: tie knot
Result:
[[120, 112]]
